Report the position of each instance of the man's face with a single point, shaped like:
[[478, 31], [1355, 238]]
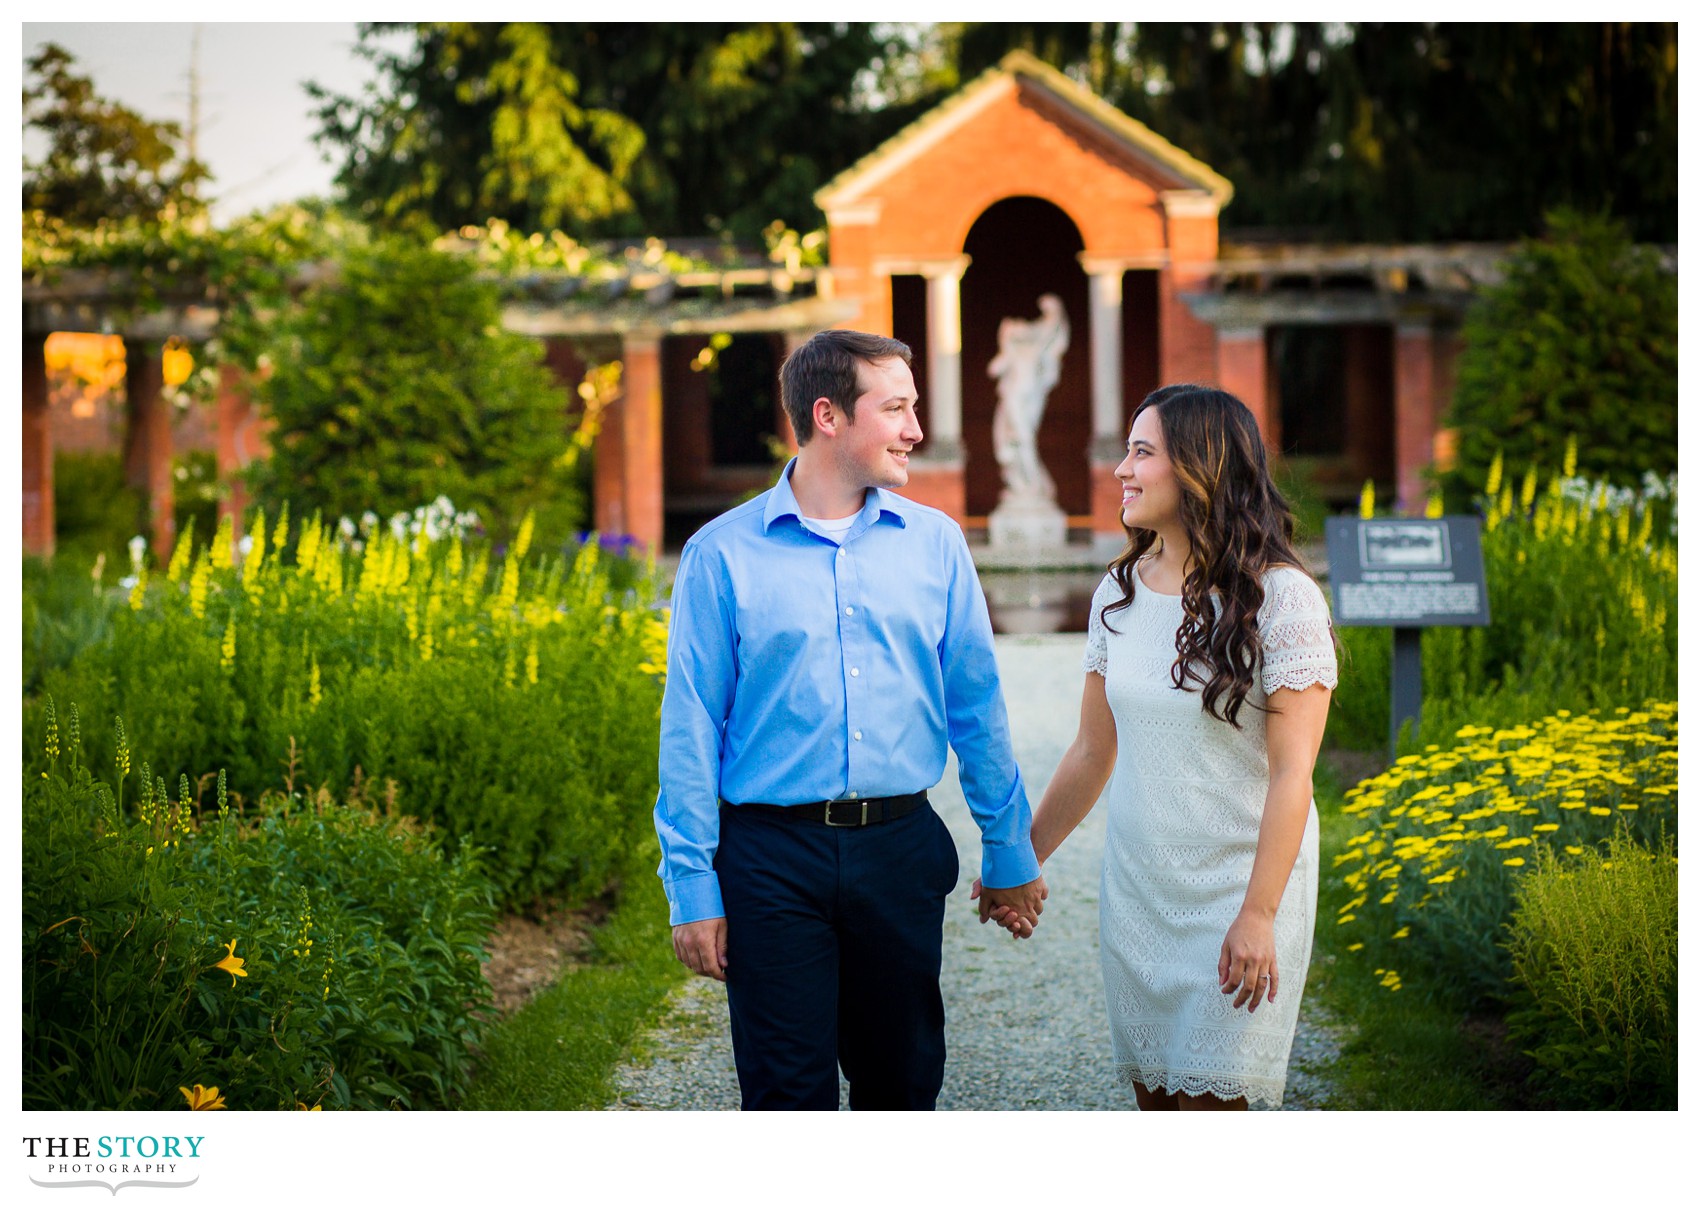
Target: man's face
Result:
[[873, 450]]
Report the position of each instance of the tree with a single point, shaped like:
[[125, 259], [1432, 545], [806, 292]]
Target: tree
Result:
[[103, 160], [1578, 340], [1370, 131], [394, 383], [603, 129]]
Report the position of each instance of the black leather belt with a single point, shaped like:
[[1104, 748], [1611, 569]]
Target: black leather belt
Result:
[[845, 813]]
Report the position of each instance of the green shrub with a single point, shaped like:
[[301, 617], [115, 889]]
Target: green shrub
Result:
[[1446, 834], [1582, 589], [300, 953], [517, 703], [393, 382], [1579, 339], [1593, 952]]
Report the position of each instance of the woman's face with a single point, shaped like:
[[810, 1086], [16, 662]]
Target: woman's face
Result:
[[1151, 496]]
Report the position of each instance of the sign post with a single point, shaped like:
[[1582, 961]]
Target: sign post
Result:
[[1407, 574]]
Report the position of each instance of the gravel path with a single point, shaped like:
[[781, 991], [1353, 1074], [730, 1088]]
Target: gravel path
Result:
[[1025, 1021]]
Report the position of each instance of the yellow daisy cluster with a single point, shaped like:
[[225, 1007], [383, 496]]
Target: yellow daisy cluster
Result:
[[1444, 817]]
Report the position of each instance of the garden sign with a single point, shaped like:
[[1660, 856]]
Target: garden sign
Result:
[[1407, 574]]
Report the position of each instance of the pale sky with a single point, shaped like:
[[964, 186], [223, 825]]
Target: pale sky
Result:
[[256, 124]]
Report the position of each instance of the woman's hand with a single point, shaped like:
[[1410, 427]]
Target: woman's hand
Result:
[[1247, 968], [1004, 915]]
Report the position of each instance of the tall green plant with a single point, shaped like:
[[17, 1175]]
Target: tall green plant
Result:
[[513, 701], [287, 954], [1593, 952]]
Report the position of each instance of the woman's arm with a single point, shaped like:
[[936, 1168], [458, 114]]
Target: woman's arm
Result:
[[1294, 738], [1081, 774], [1073, 789]]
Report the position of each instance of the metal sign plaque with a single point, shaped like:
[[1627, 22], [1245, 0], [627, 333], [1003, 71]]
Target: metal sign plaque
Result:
[[1407, 572]]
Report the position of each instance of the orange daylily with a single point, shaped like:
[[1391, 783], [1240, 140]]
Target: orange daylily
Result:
[[232, 963], [203, 1098]]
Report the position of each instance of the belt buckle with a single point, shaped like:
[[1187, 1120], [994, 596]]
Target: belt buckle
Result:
[[831, 804]]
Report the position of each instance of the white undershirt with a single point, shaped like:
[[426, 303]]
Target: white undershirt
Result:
[[833, 528]]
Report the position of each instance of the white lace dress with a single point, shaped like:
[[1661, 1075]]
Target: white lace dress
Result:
[[1184, 807]]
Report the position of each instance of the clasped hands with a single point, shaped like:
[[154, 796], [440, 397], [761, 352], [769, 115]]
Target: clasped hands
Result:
[[1016, 909]]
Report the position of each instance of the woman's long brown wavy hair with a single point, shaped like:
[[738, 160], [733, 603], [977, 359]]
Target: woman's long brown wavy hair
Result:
[[1239, 526]]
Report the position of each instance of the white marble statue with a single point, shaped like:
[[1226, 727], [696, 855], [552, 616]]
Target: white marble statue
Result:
[[1028, 364]]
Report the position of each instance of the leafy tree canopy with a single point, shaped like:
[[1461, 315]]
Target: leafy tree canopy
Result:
[[605, 129], [103, 160]]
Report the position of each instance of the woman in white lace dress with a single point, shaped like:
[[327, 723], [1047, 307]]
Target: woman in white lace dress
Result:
[[1210, 661]]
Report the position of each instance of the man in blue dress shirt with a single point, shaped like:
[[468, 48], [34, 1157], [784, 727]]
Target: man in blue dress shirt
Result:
[[829, 638]]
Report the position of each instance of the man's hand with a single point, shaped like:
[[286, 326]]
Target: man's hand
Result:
[[1016, 909], [701, 946]]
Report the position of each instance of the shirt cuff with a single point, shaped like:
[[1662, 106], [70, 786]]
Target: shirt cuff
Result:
[[694, 898], [1008, 866]]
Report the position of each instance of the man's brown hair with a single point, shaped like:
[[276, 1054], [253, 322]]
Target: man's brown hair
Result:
[[828, 364]]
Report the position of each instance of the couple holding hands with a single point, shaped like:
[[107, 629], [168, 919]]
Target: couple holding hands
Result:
[[829, 639]]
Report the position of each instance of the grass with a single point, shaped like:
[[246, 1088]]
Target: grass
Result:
[[1411, 1048], [559, 1052]]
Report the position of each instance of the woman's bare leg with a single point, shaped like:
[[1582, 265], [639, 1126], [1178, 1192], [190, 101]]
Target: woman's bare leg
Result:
[[1209, 1102], [1154, 1100]]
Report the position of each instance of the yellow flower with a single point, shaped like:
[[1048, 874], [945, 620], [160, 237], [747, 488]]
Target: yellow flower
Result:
[[203, 1098], [1513, 862], [1366, 500], [1496, 470], [233, 964], [300, 1106]]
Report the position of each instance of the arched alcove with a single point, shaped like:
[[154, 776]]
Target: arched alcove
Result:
[[1021, 248]]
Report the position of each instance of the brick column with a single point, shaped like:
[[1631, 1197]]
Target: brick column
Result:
[[1242, 368], [37, 449], [628, 450], [1186, 344], [850, 239], [1414, 412], [147, 445], [242, 438]]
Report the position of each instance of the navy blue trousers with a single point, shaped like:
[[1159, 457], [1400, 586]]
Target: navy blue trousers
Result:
[[833, 947]]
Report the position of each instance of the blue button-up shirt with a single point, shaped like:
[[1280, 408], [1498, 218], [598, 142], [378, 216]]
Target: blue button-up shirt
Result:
[[803, 669]]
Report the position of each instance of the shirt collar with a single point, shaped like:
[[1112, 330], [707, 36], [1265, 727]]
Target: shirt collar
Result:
[[782, 503]]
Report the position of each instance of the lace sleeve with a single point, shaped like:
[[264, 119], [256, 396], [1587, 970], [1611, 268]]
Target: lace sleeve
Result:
[[1298, 641], [1097, 658]]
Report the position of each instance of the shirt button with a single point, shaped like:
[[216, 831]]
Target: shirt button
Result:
[[858, 735], [854, 672], [849, 610]]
